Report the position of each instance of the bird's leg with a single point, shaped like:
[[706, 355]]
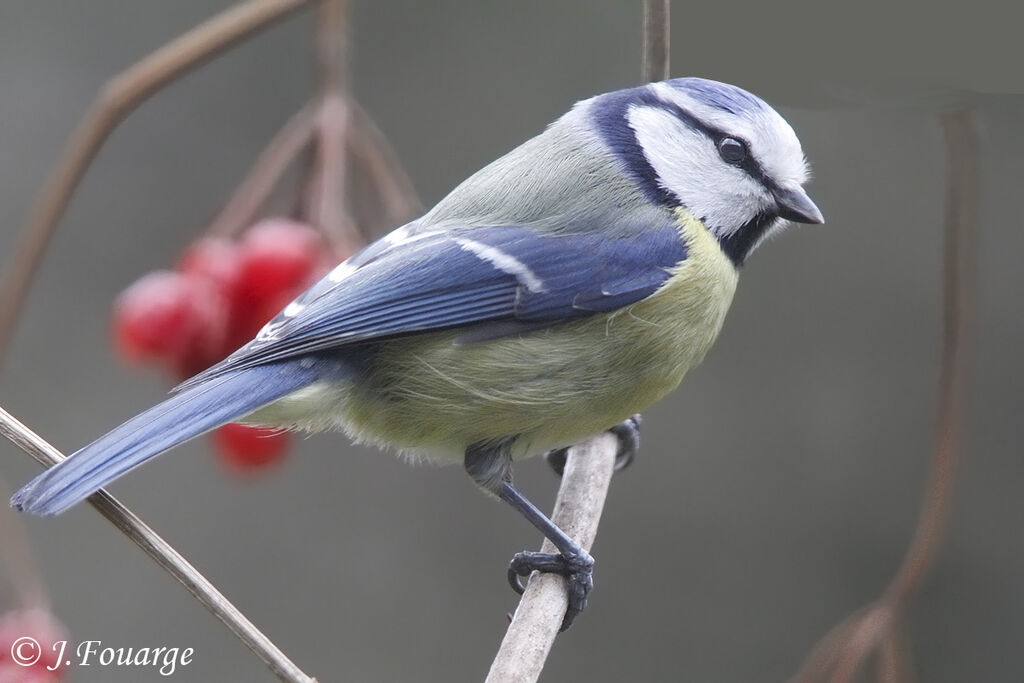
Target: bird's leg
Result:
[[571, 561], [490, 466], [628, 433]]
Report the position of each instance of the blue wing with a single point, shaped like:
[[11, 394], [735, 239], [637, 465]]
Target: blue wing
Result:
[[506, 278]]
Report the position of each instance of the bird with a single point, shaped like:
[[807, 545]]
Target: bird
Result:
[[556, 293]]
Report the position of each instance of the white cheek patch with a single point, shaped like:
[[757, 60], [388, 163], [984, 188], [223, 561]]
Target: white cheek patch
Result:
[[688, 165]]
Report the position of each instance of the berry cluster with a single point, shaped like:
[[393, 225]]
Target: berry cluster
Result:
[[217, 299]]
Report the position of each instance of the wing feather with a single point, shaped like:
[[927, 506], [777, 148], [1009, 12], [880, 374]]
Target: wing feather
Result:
[[507, 279]]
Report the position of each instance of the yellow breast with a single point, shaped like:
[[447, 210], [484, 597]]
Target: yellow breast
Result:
[[679, 323]]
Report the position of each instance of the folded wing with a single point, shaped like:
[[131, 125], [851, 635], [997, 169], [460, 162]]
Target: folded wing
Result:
[[507, 279]]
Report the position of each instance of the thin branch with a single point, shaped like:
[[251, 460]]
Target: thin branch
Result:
[[523, 651], [655, 61], [819, 663], [961, 219], [332, 45], [325, 186], [864, 637], [242, 209], [116, 100], [893, 664], [348, 142], [371, 149], [164, 555], [324, 200], [876, 627]]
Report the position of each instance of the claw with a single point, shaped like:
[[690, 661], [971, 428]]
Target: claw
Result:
[[578, 572], [513, 578], [628, 434]]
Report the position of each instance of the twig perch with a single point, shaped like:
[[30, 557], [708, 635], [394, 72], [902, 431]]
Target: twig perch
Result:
[[164, 555], [588, 473]]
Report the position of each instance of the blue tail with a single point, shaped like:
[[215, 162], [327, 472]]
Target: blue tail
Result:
[[190, 413]]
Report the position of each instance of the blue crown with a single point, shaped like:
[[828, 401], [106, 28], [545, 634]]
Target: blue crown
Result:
[[719, 95]]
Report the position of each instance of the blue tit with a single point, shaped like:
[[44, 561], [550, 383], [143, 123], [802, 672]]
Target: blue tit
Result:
[[552, 295]]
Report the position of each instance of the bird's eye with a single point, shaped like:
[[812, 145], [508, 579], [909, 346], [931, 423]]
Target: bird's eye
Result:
[[732, 151]]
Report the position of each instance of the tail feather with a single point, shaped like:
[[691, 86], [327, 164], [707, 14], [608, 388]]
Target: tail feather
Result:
[[183, 416]]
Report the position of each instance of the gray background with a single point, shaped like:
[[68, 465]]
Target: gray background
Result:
[[776, 490]]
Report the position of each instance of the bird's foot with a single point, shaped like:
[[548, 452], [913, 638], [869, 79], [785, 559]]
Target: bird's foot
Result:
[[628, 434], [577, 570]]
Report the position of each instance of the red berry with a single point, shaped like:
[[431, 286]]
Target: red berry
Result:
[[249, 447], [216, 259], [213, 308], [276, 255], [177, 319], [155, 317], [26, 635]]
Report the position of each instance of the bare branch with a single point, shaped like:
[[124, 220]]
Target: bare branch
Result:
[[961, 219], [864, 636], [894, 664], [117, 99], [655, 62], [818, 664], [332, 45], [242, 208], [371, 149], [523, 651], [325, 187], [876, 627], [324, 202], [164, 555]]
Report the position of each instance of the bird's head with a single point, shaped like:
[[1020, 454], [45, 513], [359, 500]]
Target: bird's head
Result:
[[715, 149]]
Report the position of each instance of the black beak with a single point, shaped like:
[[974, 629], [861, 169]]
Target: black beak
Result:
[[794, 205]]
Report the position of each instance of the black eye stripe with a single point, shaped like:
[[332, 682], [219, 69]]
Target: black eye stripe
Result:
[[748, 163]]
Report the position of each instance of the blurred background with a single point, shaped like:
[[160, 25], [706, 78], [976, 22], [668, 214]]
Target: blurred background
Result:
[[776, 490]]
